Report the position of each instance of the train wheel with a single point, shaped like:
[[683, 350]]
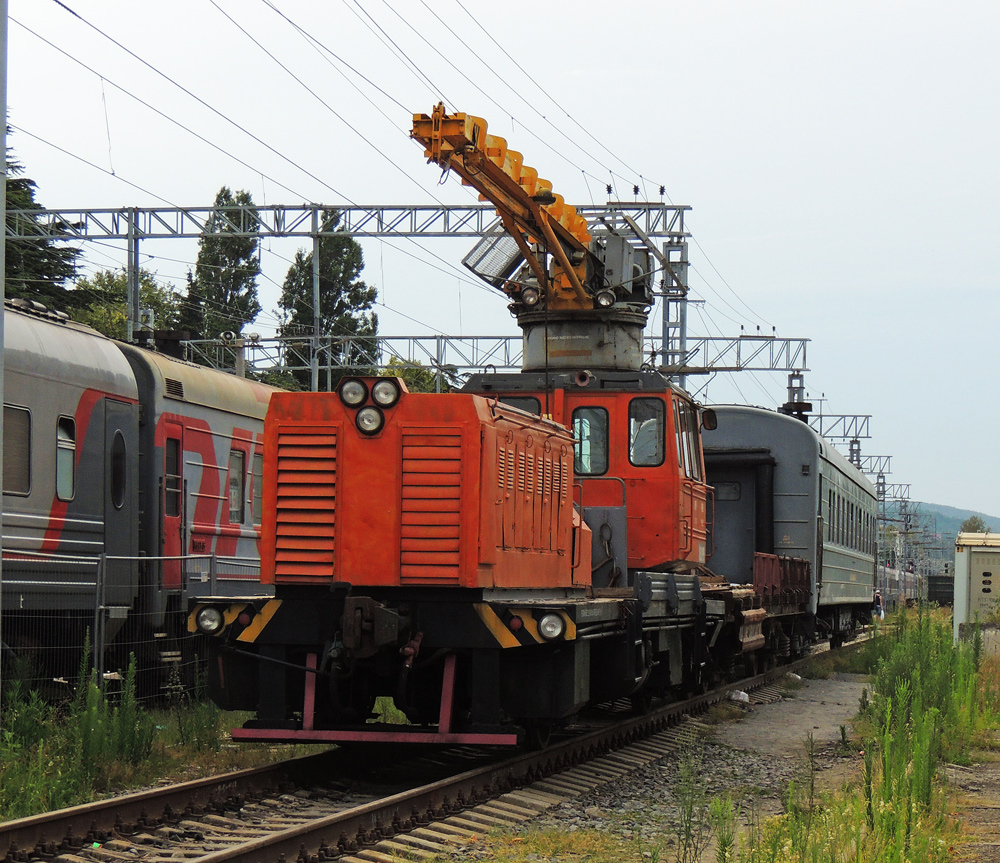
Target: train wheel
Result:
[[538, 733]]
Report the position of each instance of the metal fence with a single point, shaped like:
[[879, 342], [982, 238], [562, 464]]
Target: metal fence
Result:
[[63, 615]]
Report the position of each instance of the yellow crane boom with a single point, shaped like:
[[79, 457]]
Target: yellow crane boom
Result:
[[531, 213]]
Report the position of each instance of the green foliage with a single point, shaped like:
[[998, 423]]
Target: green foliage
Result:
[[723, 818], [974, 524], [195, 720], [51, 758], [931, 701], [418, 379], [107, 732], [106, 297], [692, 831], [345, 301], [222, 293], [36, 269]]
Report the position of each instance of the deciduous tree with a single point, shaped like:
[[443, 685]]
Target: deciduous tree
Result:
[[105, 295], [974, 524]]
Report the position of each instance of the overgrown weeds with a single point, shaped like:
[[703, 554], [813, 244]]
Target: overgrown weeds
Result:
[[930, 701], [102, 740]]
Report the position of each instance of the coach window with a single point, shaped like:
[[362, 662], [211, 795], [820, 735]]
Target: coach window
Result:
[[237, 486], [646, 424], [16, 450], [529, 404], [65, 458], [258, 488], [118, 470], [590, 447]]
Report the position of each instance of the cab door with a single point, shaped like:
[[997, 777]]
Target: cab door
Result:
[[172, 503], [692, 535]]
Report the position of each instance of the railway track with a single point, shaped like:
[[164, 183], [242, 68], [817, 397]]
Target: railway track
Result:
[[300, 810]]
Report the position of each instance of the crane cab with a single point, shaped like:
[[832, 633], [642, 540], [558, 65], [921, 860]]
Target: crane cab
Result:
[[638, 469]]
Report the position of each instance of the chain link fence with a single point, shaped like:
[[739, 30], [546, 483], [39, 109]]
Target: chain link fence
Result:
[[63, 616]]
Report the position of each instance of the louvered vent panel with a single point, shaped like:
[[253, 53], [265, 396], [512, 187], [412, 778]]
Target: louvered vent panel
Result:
[[430, 538], [173, 388], [306, 505]]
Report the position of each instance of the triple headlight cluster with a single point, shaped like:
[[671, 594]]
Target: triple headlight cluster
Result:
[[384, 392]]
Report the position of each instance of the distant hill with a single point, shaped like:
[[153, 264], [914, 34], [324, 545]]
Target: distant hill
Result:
[[950, 518]]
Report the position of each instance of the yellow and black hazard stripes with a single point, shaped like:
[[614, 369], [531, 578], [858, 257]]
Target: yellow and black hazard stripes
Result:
[[263, 617], [514, 626], [259, 618]]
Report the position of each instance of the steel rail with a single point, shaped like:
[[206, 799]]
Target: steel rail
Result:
[[350, 829]]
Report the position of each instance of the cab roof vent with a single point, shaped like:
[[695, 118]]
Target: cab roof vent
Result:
[[175, 388]]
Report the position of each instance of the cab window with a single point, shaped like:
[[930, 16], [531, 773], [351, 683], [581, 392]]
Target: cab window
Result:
[[686, 428], [528, 404], [590, 447], [646, 427]]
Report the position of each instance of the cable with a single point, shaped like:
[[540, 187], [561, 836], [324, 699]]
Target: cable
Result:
[[707, 258], [158, 112], [506, 83], [320, 99], [399, 52], [88, 163], [545, 92], [319, 45], [201, 101]]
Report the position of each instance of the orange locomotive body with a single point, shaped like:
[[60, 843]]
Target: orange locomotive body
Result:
[[638, 447], [489, 570], [459, 492]]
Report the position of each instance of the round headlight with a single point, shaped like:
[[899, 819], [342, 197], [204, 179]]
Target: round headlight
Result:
[[605, 299], [369, 420], [551, 626], [386, 392], [353, 392], [209, 620]]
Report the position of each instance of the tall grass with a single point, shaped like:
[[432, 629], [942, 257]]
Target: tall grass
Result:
[[930, 702], [53, 756]]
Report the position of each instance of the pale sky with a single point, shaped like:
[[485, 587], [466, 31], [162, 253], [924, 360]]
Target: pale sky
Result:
[[840, 160]]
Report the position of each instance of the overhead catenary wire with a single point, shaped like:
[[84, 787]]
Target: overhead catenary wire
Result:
[[399, 52], [449, 267], [531, 105], [385, 156], [157, 111], [547, 95]]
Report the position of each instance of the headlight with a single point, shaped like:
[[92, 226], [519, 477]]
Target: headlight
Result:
[[551, 627], [353, 392], [605, 298], [369, 420], [209, 620], [386, 392]]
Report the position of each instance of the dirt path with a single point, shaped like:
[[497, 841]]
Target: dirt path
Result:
[[979, 790], [820, 708]]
